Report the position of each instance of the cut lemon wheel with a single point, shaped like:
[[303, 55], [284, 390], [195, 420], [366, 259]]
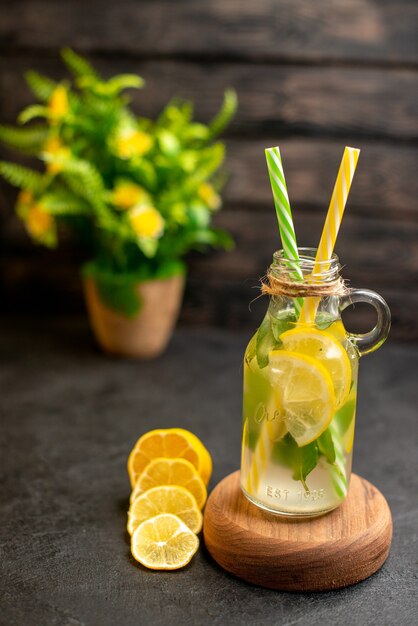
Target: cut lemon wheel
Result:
[[322, 346], [164, 542], [307, 394], [165, 499], [170, 443], [164, 471]]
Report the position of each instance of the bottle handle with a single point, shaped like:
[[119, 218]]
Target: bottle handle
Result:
[[371, 341]]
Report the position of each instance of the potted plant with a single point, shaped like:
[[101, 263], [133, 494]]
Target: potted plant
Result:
[[138, 193]]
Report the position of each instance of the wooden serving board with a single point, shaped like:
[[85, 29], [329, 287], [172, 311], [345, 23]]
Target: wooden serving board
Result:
[[338, 549]]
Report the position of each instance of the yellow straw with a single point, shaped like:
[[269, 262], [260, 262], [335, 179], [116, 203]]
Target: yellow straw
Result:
[[332, 225]]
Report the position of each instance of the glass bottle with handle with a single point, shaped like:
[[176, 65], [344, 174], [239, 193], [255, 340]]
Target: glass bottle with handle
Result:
[[300, 392]]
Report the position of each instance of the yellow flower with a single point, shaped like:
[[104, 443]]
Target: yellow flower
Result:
[[25, 197], [209, 196], [58, 104], [146, 222], [131, 143], [126, 195], [54, 147], [38, 222]]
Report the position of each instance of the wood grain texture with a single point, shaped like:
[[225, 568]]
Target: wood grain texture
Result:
[[374, 250], [360, 30], [336, 550], [273, 99], [385, 185]]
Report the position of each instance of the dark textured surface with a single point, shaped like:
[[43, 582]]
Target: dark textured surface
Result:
[[69, 419]]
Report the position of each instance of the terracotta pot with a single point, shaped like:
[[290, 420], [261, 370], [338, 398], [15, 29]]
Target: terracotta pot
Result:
[[146, 335]]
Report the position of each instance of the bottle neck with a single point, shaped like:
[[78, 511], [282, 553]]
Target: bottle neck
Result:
[[319, 272]]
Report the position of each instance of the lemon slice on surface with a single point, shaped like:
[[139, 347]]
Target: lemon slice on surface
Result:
[[164, 542], [163, 471], [324, 347], [165, 499], [170, 443], [306, 392]]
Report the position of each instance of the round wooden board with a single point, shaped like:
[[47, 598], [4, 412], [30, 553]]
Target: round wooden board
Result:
[[338, 549]]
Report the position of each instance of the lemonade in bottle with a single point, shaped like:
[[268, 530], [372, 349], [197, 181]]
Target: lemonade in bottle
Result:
[[300, 389]]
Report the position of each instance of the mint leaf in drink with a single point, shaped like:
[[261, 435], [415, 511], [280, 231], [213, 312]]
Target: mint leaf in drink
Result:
[[252, 438], [345, 414], [265, 342], [268, 335], [305, 462], [251, 349], [280, 325], [300, 460], [326, 446]]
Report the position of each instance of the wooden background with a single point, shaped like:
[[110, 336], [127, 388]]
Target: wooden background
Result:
[[310, 76]]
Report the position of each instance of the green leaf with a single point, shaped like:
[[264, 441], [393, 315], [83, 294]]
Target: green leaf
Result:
[[161, 270], [148, 246], [61, 202], [119, 290], [119, 293], [169, 268], [196, 132], [84, 180], [213, 157], [222, 239], [199, 215], [187, 160], [168, 142], [176, 115], [77, 64], [144, 173], [32, 111], [251, 349], [226, 113], [30, 139], [265, 342], [195, 239], [326, 446], [345, 415], [209, 160], [41, 86], [113, 86], [279, 325], [22, 177], [300, 460]]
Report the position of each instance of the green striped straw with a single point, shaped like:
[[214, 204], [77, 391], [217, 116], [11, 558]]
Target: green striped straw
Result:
[[284, 216], [339, 477]]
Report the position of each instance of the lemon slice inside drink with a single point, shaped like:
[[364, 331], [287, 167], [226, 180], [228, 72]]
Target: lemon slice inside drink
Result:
[[306, 392], [324, 347]]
